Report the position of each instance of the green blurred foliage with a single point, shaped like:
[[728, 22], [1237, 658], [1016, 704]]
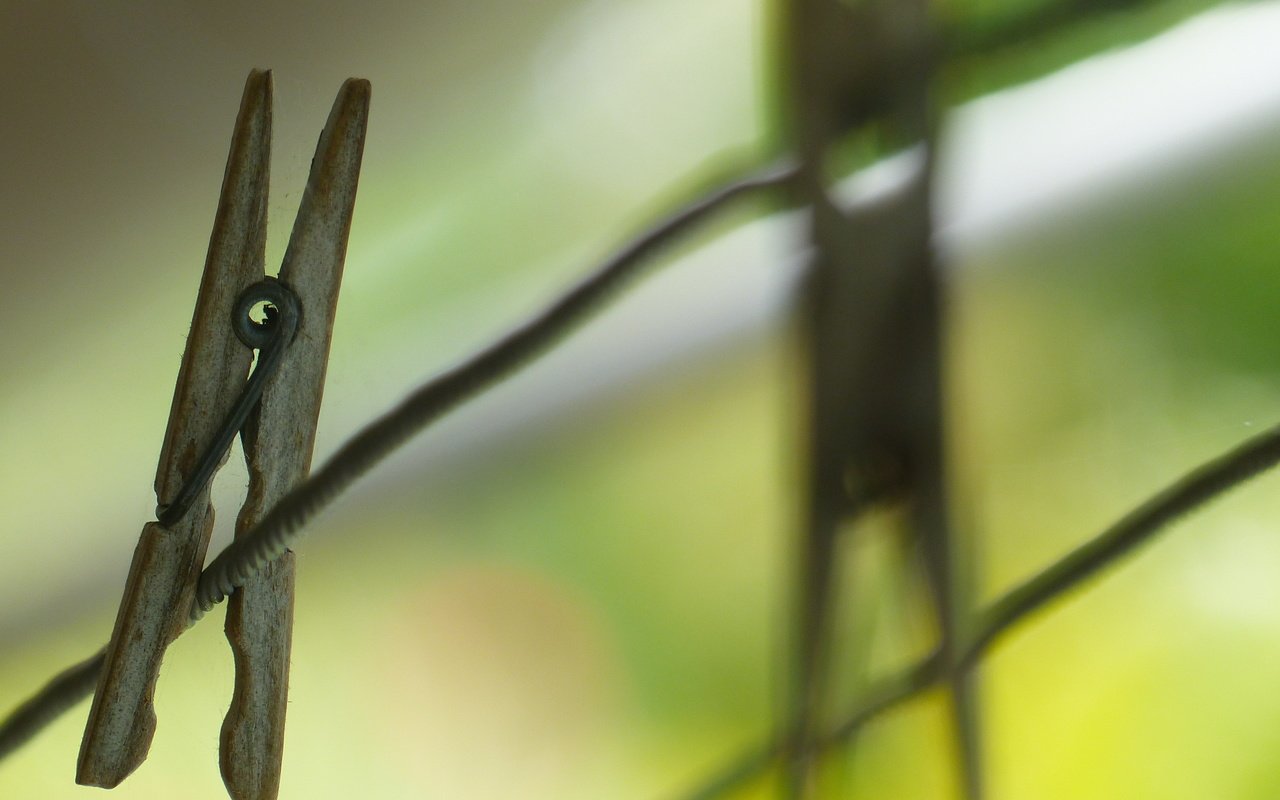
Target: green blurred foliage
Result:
[[597, 610], [999, 44]]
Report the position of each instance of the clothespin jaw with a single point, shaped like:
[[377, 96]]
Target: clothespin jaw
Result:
[[167, 561], [278, 442], [869, 319], [872, 326], [278, 430]]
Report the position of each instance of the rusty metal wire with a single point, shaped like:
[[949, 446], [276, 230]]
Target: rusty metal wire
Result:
[[272, 537], [1203, 484]]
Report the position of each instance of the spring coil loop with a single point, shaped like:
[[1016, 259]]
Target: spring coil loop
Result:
[[270, 337]]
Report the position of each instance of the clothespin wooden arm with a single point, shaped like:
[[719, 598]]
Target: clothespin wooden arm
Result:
[[167, 561], [278, 448], [872, 325]]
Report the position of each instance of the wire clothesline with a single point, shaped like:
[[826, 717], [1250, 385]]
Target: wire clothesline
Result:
[[274, 534], [1200, 486]]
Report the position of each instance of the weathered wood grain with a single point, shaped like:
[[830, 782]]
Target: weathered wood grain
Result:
[[278, 447], [167, 562]]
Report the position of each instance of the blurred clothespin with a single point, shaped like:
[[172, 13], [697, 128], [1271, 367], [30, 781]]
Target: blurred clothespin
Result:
[[275, 411], [872, 322]]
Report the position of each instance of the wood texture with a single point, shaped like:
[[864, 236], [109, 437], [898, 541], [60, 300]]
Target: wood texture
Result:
[[278, 447], [167, 562]]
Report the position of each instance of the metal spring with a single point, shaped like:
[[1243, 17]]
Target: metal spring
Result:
[[270, 337]]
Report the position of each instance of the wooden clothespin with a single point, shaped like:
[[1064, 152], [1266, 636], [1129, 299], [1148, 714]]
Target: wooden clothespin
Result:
[[275, 411], [873, 328]]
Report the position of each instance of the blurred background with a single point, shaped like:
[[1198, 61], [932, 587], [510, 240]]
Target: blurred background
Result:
[[577, 586]]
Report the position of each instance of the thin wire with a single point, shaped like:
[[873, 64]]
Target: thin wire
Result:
[[270, 338], [1204, 483], [56, 697], [68, 687], [1199, 486], [272, 536]]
